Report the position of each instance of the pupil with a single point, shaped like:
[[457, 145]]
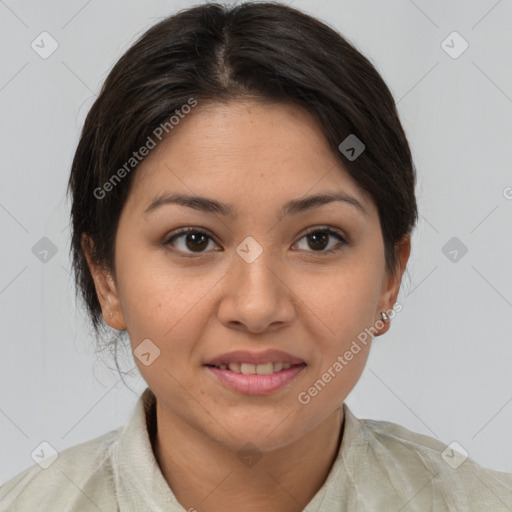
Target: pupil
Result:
[[316, 236], [195, 237]]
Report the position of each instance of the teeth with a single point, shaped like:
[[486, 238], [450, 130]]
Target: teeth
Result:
[[234, 367], [248, 369], [265, 369], [259, 369]]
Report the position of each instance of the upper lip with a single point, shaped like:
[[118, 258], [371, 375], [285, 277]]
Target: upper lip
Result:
[[244, 356]]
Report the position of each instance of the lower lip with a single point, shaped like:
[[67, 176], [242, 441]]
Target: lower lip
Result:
[[256, 384]]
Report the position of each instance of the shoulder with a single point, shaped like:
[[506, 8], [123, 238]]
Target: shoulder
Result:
[[448, 473], [80, 478]]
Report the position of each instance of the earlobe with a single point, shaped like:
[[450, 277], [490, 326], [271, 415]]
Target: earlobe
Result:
[[392, 283], [106, 289]]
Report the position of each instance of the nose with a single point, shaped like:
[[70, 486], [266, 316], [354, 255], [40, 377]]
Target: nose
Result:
[[257, 296]]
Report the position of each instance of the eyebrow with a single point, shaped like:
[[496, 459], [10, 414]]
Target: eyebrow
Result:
[[292, 207]]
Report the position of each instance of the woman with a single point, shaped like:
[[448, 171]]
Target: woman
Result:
[[243, 201]]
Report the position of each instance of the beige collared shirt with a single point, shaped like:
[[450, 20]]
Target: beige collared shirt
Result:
[[380, 466]]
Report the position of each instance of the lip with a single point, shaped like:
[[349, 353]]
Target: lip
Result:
[[256, 384], [244, 356]]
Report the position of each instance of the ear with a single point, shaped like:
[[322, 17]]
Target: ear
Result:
[[106, 289], [391, 283]]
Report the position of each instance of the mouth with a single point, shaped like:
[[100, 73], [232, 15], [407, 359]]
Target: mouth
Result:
[[268, 368], [255, 373], [255, 379]]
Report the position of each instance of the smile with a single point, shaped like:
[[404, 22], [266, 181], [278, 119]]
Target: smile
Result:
[[254, 369], [255, 379]]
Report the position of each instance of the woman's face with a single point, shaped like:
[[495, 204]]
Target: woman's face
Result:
[[252, 280]]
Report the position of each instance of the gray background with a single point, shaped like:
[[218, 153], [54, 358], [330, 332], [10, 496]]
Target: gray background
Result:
[[444, 367]]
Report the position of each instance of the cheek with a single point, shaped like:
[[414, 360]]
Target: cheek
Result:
[[172, 311], [345, 300], [344, 308], [154, 293]]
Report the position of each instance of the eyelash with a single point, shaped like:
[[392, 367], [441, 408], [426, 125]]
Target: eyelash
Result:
[[322, 229]]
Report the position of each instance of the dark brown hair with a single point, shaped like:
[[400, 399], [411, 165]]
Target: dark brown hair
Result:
[[264, 51]]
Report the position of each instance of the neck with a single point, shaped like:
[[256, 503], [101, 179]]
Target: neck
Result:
[[205, 475]]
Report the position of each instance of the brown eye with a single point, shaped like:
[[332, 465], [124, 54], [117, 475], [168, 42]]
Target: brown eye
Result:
[[318, 240], [190, 240], [193, 240]]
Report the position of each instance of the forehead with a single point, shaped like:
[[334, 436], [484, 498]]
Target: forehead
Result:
[[244, 151]]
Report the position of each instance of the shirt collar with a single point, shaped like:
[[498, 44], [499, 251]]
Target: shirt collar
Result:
[[138, 479], [140, 484], [340, 486]]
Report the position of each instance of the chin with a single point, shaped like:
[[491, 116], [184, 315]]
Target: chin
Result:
[[268, 432]]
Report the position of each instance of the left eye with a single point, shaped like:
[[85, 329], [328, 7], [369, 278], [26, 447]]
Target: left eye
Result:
[[319, 237], [196, 241]]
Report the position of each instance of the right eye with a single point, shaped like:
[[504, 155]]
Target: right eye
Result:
[[191, 240]]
